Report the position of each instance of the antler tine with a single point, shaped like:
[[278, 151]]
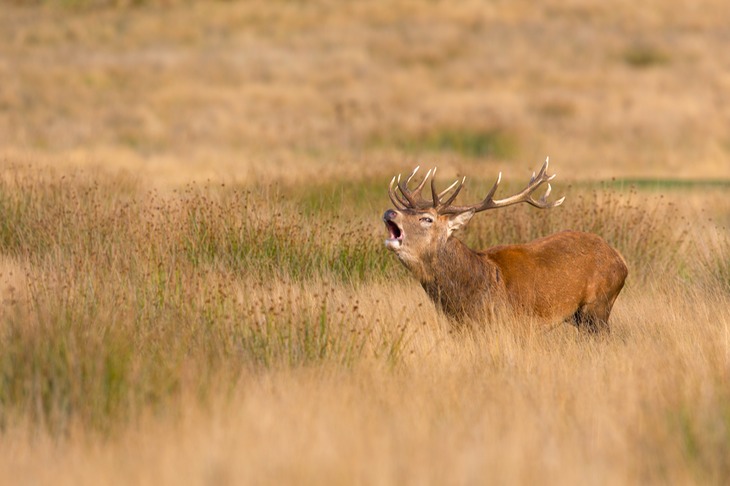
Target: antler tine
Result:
[[397, 202], [445, 191], [451, 199], [434, 194], [417, 191], [544, 202], [494, 187], [541, 172], [407, 198], [408, 181], [438, 195], [403, 186]]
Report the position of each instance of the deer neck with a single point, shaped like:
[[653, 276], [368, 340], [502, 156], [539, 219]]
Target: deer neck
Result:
[[458, 279]]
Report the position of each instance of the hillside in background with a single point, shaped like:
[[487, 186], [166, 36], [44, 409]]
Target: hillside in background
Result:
[[257, 91]]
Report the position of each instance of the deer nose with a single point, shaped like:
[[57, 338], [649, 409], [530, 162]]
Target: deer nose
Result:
[[389, 215]]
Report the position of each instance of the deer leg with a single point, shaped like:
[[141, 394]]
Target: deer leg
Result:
[[593, 317]]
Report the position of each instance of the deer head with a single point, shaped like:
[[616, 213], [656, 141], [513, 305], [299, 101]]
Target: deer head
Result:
[[419, 228]]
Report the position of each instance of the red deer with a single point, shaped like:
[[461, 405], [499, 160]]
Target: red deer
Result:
[[568, 276]]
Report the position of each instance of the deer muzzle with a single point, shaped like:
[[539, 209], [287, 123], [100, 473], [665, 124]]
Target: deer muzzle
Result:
[[395, 231]]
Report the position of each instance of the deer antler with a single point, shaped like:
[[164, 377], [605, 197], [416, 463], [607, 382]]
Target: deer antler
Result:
[[523, 196], [408, 199]]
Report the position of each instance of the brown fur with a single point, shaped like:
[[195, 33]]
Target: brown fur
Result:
[[569, 275]]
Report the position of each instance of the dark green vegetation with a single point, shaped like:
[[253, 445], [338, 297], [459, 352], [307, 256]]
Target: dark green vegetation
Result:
[[465, 142], [641, 56]]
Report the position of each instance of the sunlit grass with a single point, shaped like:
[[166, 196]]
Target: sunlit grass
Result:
[[133, 298]]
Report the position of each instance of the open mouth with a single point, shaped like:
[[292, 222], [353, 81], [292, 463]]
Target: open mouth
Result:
[[395, 235]]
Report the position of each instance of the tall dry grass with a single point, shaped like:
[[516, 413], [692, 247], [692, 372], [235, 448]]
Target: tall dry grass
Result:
[[222, 333]]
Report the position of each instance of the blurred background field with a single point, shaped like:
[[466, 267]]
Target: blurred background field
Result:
[[286, 89], [193, 286]]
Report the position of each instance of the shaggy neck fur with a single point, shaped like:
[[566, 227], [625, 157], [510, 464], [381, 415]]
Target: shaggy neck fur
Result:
[[459, 280]]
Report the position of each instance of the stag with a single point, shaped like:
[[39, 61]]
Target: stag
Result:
[[568, 276]]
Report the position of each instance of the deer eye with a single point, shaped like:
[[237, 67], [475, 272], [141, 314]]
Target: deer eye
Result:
[[427, 219]]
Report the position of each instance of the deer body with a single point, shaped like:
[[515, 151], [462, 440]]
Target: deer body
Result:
[[569, 275]]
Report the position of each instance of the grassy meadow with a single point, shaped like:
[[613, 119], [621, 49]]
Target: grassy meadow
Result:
[[193, 282]]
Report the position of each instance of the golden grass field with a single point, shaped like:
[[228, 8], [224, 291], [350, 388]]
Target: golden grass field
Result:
[[193, 283]]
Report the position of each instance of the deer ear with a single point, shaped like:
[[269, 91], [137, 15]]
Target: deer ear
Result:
[[457, 221]]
